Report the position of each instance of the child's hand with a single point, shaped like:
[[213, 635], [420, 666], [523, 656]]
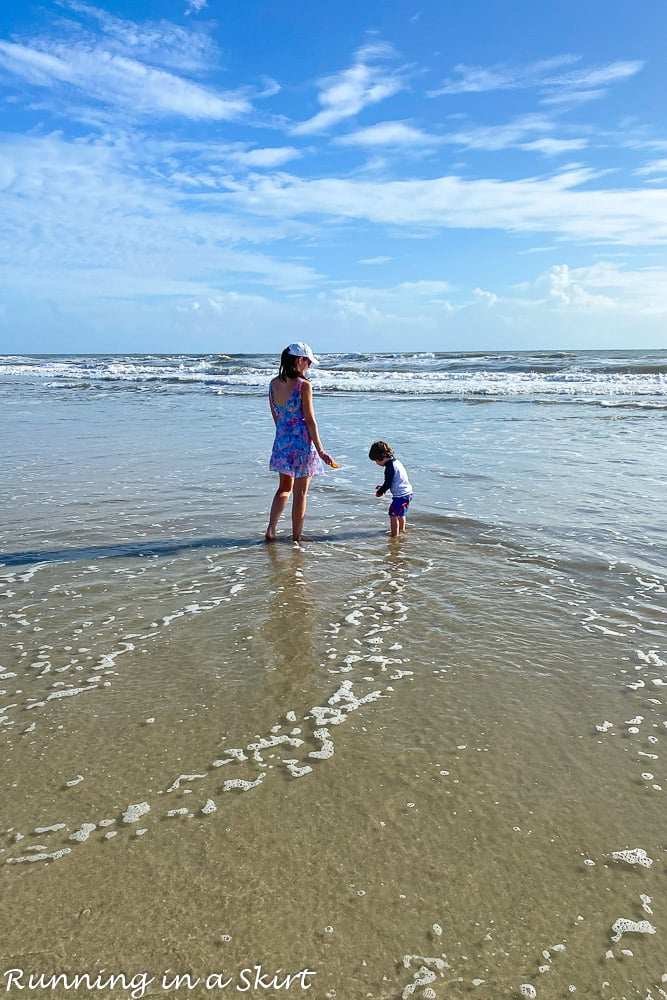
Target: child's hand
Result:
[[378, 491]]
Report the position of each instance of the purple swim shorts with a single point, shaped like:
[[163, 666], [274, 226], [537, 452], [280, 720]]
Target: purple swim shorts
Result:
[[399, 505]]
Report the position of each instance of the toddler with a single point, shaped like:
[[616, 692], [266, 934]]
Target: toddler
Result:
[[396, 480]]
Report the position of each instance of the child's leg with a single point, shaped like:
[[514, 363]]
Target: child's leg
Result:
[[280, 499], [299, 501], [402, 512], [398, 510]]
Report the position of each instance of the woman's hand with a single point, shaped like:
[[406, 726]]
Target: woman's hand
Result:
[[327, 459]]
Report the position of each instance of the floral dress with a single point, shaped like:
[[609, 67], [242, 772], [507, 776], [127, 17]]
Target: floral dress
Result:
[[293, 451]]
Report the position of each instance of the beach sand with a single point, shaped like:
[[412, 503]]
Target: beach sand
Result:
[[409, 762]]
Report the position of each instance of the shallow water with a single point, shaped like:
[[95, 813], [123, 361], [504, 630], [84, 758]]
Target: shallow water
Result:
[[363, 758]]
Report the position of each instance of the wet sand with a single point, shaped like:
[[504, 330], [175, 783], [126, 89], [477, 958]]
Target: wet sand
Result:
[[411, 760]]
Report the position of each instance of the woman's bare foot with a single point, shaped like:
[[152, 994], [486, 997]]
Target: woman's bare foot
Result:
[[270, 535]]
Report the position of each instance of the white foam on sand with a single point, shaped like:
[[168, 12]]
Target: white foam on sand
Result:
[[379, 602], [427, 972], [134, 812], [183, 777], [40, 857], [295, 770], [624, 926], [84, 832], [241, 784], [64, 693], [636, 856]]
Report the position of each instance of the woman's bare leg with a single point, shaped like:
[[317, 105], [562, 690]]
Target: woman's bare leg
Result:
[[299, 500], [280, 499]]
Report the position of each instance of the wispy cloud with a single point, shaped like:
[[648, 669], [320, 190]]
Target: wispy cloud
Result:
[[559, 204], [345, 94], [388, 134], [118, 81], [396, 306], [652, 168], [481, 79], [141, 69], [516, 134], [195, 6], [496, 137], [570, 98], [161, 43], [600, 76], [143, 233], [554, 147], [425, 289], [577, 85], [268, 157]]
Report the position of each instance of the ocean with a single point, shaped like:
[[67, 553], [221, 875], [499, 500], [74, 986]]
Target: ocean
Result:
[[429, 767]]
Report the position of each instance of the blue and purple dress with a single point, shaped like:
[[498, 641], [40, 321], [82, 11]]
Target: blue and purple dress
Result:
[[293, 450]]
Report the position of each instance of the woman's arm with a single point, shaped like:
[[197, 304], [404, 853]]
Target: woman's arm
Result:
[[311, 423]]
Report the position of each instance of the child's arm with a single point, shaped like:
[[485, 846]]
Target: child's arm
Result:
[[388, 476]]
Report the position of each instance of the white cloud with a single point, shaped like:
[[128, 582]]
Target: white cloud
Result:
[[607, 287], [426, 289], [161, 43], [576, 85], [398, 306], [571, 97], [118, 233], [388, 134], [375, 260], [40, 68], [516, 134], [345, 94], [116, 80], [655, 167], [268, 157], [195, 6], [497, 137], [558, 204], [554, 147], [569, 291], [480, 79], [600, 76]]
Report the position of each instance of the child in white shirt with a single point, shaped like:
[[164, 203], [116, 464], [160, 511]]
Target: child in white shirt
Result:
[[396, 481]]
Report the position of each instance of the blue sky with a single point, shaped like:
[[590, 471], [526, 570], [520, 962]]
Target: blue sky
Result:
[[228, 177]]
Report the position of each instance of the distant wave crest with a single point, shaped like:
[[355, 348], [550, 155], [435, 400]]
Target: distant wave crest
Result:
[[611, 378]]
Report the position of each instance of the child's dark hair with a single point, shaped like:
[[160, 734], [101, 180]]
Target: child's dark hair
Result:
[[380, 450], [287, 366]]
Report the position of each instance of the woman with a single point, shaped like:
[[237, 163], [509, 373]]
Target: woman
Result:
[[297, 448]]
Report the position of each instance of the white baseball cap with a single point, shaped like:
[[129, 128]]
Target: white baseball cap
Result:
[[301, 350]]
